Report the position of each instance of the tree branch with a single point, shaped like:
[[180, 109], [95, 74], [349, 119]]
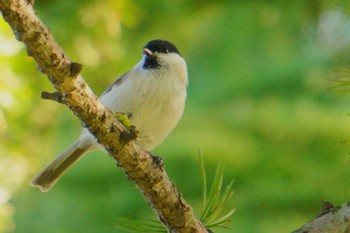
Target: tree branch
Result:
[[332, 220], [73, 91]]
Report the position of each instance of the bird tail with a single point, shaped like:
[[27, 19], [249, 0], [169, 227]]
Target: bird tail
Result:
[[52, 172]]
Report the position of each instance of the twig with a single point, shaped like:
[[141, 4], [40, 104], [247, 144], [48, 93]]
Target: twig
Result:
[[55, 96]]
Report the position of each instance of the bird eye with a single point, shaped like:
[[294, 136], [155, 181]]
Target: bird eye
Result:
[[147, 52]]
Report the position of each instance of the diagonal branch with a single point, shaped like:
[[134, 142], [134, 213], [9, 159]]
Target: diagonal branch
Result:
[[140, 168]]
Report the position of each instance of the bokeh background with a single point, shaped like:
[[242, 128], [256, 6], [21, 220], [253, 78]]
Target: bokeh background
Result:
[[260, 100]]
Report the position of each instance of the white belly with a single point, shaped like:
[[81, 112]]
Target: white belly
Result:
[[154, 103]]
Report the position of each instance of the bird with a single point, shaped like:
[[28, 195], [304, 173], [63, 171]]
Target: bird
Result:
[[152, 94]]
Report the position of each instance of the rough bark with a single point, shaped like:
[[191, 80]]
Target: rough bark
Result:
[[331, 220], [65, 76]]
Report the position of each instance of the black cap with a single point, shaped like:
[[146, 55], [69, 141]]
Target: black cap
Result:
[[161, 46]]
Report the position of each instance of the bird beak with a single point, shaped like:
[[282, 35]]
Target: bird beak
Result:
[[148, 52]]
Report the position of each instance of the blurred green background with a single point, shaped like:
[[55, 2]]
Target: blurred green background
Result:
[[259, 101]]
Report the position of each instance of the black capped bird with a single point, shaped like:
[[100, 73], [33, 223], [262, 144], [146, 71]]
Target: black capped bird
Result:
[[152, 94]]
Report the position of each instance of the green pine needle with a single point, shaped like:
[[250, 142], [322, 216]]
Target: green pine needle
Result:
[[139, 226], [341, 83], [214, 193], [204, 180], [216, 202]]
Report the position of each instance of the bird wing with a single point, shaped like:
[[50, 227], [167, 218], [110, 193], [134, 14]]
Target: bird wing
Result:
[[116, 83]]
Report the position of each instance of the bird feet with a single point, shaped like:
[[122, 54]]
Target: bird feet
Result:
[[156, 159], [128, 135]]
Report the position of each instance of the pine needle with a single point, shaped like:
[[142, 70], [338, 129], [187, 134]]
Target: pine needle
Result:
[[204, 180], [215, 202], [139, 226]]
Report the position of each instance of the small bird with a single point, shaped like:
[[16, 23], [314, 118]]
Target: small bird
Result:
[[152, 94]]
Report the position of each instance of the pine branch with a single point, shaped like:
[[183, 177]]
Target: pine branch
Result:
[[73, 91]]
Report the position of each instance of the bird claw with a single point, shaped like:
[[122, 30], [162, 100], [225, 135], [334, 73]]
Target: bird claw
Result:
[[156, 159], [127, 136]]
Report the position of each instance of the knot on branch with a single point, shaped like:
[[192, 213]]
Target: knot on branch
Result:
[[55, 96], [75, 69], [326, 207]]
